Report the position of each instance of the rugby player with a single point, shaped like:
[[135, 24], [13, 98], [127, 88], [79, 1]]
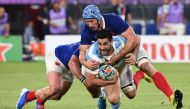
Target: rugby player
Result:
[[58, 74], [94, 21]]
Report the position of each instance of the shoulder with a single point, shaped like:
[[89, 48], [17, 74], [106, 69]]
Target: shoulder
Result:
[[119, 39], [111, 19], [93, 52], [110, 16], [93, 47]]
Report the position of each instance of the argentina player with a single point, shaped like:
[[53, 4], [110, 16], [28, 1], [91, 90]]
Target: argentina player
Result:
[[101, 51]]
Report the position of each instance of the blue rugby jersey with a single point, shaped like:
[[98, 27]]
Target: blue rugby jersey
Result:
[[65, 52], [94, 53], [113, 23]]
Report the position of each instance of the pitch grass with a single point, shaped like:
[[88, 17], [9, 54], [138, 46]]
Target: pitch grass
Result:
[[14, 76]]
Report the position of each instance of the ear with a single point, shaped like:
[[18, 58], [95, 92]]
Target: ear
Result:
[[112, 42]]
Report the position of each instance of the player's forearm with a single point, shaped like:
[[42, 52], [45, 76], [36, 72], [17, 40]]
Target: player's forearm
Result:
[[132, 41], [129, 47], [97, 82], [82, 56], [75, 69], [93, 81], [137, 47]]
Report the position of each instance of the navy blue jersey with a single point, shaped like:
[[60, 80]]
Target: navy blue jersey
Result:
[[77, 52], [113, 23], [65, 52]]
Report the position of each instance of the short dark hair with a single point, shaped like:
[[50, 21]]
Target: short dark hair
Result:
[[101, 34]]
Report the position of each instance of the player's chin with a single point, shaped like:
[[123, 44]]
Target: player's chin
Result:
[[104, 53]]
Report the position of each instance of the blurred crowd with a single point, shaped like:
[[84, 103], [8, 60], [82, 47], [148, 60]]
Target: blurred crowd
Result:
[[55, 18], [60, 17], [170, 18]]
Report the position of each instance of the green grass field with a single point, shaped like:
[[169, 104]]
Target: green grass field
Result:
[[14, 76]]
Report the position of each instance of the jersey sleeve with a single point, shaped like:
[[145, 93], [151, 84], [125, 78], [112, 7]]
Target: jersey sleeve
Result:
[[118, 25], [93, 53], [77, 52]]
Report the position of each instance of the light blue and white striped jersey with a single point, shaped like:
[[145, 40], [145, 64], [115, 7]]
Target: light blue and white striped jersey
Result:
[[94, 53]]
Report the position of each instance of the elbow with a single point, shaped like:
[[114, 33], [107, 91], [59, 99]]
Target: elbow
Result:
[[70, 64], [89, 84], [136, 40]]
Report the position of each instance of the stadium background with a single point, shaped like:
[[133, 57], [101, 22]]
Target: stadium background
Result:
[[18, 70]]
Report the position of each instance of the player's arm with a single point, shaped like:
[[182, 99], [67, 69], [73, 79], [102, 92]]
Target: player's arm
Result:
[[82, 56], [90, 64], [127, 32], [131, 57], [131, 43], [74, 66], [93, 81]]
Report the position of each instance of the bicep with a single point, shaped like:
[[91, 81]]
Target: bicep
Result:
[[83, 48], [129, 33]]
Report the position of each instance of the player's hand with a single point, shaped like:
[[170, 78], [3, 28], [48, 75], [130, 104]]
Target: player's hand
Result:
[[130, 59], [113, 60], [92, 64], [116, 76]]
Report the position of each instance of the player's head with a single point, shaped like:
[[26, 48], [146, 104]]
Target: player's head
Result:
[[2, 11], [92, 17], [104, 39]]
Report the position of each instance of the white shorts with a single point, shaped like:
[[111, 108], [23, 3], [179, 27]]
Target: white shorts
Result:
[[142, 57], [55, 65], [126, 74]]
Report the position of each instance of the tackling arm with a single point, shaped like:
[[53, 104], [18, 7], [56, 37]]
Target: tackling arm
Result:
[[74, 66], [131, 57], [82, 56], [132, 42], [93, 81], [137, 47], [90, 64]]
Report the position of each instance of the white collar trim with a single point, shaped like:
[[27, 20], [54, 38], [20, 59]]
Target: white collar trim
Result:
[[103, 22]]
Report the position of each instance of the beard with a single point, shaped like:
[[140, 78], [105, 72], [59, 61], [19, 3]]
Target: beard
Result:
[[104, 52]]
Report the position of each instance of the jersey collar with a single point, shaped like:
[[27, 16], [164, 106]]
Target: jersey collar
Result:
[[103, 20]]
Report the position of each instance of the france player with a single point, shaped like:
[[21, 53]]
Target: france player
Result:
[[61, 65], [58, 74], [94, 21]]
